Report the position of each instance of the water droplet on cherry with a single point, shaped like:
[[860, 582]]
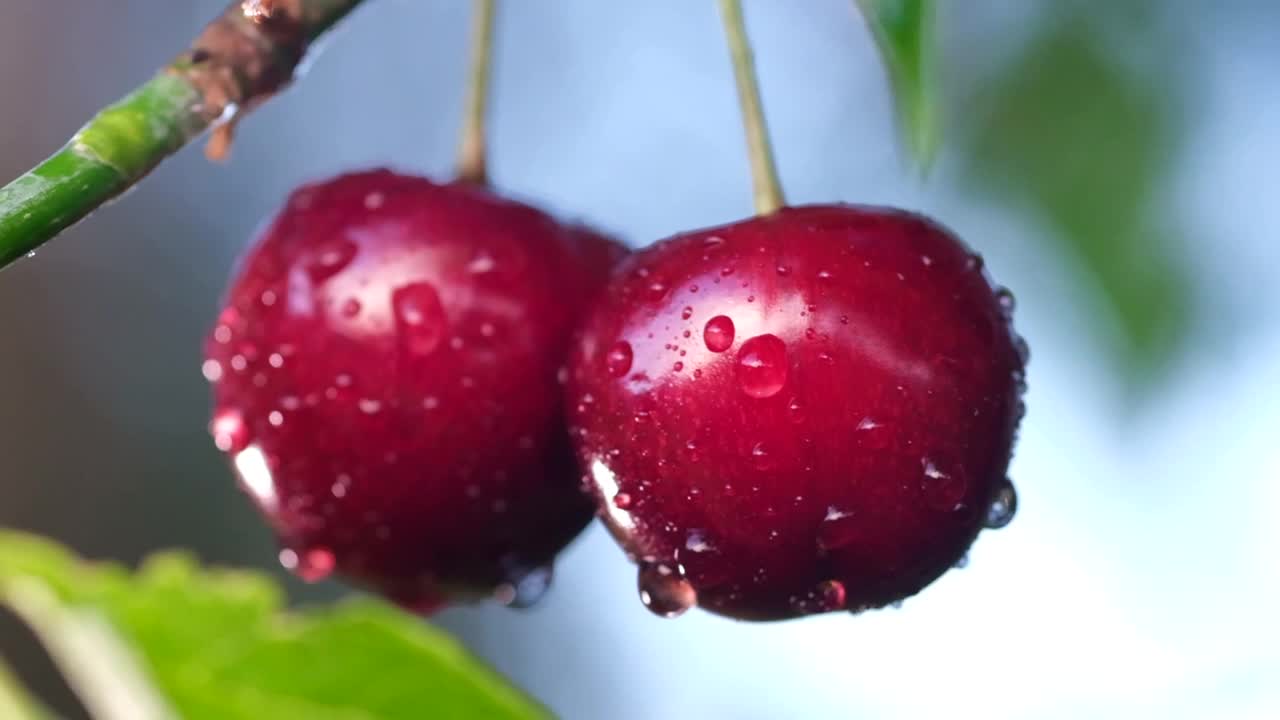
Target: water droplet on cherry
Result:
[[1003, 506], [718, 333], [230, 433], [618, 359], [330, 258], [762, 366], [419, 316], [664, 591]]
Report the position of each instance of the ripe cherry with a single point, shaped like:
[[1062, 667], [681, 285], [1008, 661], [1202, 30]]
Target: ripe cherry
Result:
[[386, 381], [803, 412]]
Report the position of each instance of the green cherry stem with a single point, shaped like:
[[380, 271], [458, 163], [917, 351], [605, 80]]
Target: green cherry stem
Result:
[[242, 58], [471, 146], [764, 174]]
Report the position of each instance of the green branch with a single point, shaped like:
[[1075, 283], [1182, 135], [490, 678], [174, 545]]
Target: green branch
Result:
[[247, 54]]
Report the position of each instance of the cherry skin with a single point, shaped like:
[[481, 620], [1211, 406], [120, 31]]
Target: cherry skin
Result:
[[387, 374], [798, 413]]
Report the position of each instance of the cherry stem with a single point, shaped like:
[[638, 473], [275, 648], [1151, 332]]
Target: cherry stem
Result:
[[764, 174], [471, 147]]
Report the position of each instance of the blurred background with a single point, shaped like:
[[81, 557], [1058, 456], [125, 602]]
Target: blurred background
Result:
[[1116, 163]]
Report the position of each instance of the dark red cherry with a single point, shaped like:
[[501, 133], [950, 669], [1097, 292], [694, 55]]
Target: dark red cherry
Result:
[[387, 378], [804, 412]]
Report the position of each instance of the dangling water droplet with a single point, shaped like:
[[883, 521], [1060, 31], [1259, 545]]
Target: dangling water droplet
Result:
[[420, 318], [1003, 506], [330, 258], [762, 366], [831, 595], [973, 263], [526, 591], [618, 359], [1007, 302], [230, 433], [718, 334], [962, 563], [315, 564], [664, 591]]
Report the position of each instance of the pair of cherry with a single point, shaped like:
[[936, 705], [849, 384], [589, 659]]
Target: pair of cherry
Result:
[[429, 389]]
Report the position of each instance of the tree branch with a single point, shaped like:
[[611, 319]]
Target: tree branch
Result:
[[243, 57]]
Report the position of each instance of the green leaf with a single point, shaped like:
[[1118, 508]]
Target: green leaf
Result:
[[178, 641], [15, 704], [903, 29], [1083, 139]]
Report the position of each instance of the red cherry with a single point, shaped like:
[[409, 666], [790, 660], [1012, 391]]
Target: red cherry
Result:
[[386, 381], [814, 413]]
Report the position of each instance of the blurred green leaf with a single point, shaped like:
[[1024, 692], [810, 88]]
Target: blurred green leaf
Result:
[[217, 644], [1084, 140], [15, 704], [903, 29]]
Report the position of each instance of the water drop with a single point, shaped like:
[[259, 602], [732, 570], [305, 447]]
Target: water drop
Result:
[[369, 406], [657, 290], [350, 308], [838, 529], [622, 500], [1003, 506], [618, 359], [762, 366], [944, 488], [1007, 302], [374, 200], [831, 595], [526, 591], [783, 270], [718, 333], [311, 565], [230, 433], [276, 418], [686, 313], [795, 411], [330, 258], [420, 318], [962, 563], [696, 541], [664, 591], [212, 370]]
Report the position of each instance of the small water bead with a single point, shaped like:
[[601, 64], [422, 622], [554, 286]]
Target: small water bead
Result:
[[350, 308], [962, 563], [330, 259], [526, 591], [1007, 302], [420, 318], [838, 529], [211, 370], [718, 334], [686, 313], [664, 591], [311, 565], [944, 489], [622, 500], [618, 359], [783, 270], [230, 433], [374, 200], [1003, 506], [678, 366], [762, 366]]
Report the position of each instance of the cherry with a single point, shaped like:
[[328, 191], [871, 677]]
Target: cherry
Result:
[[386, 381], [808, 411]]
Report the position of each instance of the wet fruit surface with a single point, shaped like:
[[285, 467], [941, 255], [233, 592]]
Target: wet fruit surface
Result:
[[385, 376], [801, 413]]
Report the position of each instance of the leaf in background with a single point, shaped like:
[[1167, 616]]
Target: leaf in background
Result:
[[15, 703], [217, 644], [1084, 141], [903, 29]]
